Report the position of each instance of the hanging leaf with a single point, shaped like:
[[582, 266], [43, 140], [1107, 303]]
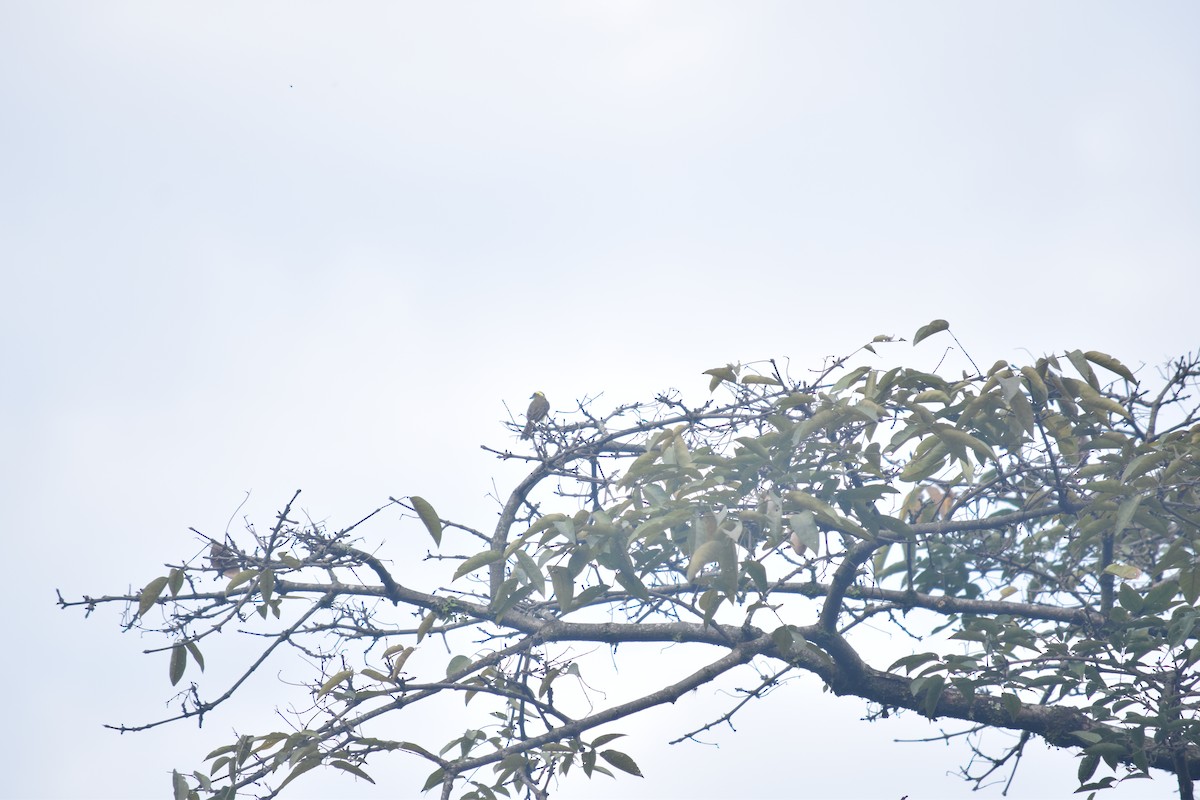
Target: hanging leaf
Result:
[[805, 535], [564, 587], [1110, 364], [706, 553], [399, 663], [425, 625], [149, 596], [194, 649], [179, 786], [175, 581], [428, 516], [303, 766], [1125, 513], [178, 662], [1079, 361], [266, 584], [1037, 387]]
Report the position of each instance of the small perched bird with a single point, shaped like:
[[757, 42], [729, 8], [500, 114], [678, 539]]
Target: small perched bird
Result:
[[539, 407], [224, 559]]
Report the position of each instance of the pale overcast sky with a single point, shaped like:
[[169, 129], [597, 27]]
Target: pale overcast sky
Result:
[[262, 246]]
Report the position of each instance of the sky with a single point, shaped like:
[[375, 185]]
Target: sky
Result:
[[249, 248]]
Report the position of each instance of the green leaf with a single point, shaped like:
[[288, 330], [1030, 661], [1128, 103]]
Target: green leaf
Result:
[[1107, 750], [302, 767], [503, 602], [709, 602], [849, 379], [1037, 387], [605, 738], [434, 779], [757, 573], [175, 581], [149, 596], [805, 535], [532, 571], [227, 748], [913, 661], [1189, 583], [1023, 411], [953, 437], [761, 379], [925, 331], [589, 594], [1126, 572], [1079, 361], [1125, 513], [931, 462], [179, 785], [398, 664], [194, 649], [564, 587], [621, 761], [476, 561], [1110, 364], [706, 553], [428, 516], [203, 780], [346, 766], [266, 584], [1087, 767], [391, 651], [932, 690], [178, 662], [720, 374], [1129, 599], [1143, 464], [1098, 403], [457, 666], [329, 685], [240, 578], [425, 625], [633, 584]]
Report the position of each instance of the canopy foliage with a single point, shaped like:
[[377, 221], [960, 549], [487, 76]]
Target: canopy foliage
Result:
[[1044, 517]]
